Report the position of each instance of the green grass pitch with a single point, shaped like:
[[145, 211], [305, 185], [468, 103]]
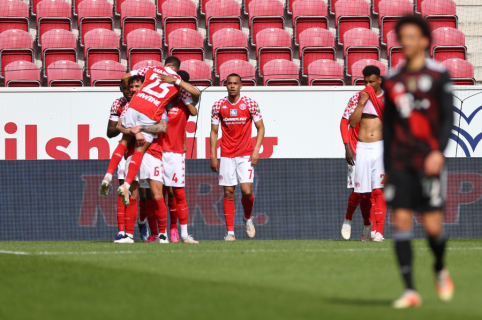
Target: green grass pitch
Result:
[[217, 280]]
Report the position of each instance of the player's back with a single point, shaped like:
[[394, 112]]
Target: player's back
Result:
[[173, 139]]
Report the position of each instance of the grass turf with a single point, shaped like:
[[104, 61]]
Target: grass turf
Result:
[[218, 280]]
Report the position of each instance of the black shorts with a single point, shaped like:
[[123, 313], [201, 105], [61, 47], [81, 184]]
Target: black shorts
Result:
[[413, 190]]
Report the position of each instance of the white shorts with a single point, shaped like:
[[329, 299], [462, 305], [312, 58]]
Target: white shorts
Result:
[[134, 118], [351, 177], [370, 173], [174, 170], [233, 171], [121, 174], [151, 168]]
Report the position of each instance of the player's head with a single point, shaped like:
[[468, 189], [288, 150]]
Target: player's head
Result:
[[172, 62], [372, 77], [135, 84], [184, 75], [233, 83], [414, 35], [126, 91]]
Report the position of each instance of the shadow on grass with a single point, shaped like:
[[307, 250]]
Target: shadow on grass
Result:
[[360, 302]]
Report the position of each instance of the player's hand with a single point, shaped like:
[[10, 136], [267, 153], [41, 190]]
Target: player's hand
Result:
[[214, 165], [254, 158], [434, 163], [185, 148], [349, 155], [140, 139], [169, 78], [363, 97], [135, 130]]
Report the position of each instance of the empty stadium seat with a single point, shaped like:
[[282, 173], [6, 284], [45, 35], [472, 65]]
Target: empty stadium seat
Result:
[[316, 44], [65, 73], [389, 13], [360, 44], [15, 45], [33, 6], [325, 73], [13, 15], [22, 74], [137, 14], [264, 14], [221, 14], [107, 73], [245, 4], [357, 70], [331, 6], [94, 14], [461, 71], [75, 6], [100, 45], [58, 45], [229, 44], [159, 6], [178, 14], [309, 14], [186, 44], [199, 72], [53, 14], [281, 72], [394, 49], [118, 6], [417, 6], [440, 13], [143, 44], [245, 70], [273, 44], [351, 14], [375, 4], [448, 43], [147, 63]]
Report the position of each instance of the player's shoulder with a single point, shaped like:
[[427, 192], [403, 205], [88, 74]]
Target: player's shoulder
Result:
[[219, 103], [122, 101], [355, 96], [250, 102]]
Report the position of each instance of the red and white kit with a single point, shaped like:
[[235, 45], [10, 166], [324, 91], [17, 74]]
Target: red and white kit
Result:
[[350, 108], [236, 143], [116, 110]]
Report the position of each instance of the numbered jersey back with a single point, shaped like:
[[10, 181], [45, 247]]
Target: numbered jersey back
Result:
[[154, 96]]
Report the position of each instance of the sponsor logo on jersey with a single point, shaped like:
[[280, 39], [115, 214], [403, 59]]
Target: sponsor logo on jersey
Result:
[[233, 112], [224, 107], [242, 106], [164, 116]]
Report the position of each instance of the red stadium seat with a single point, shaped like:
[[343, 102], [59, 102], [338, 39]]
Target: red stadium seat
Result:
[[273, 44], [221, 14], [448, 43], [13, 15], [75, 6], [58, 45], [65, 73], [53, 14], [325, 73], [351, 14], [137, 14], [394, 50], [118, 6], [22, 74], [243, 68], [331, 6], [229, 44], [375, 4], [100, 45], [360, 44], [159, 6], [281, 72], [147, 63], [94, 14], [143, 44], [178, 14], [440, 13], [186, 44], [389, 13], [357, 70], [33, 7], [316, 44], [309, 14], [107, 73], [15, 45], [245, 5], [199, 72], [418, 6], [264, 14], [461, 71]]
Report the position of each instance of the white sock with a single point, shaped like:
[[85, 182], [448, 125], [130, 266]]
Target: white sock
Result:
[[231, 232], [164, 234], [141, 222], [128, 186], [122, 233], [184, 234], [130, 235], [108, 176]]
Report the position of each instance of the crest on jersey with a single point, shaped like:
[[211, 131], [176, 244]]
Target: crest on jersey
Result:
[[258, 109], [242, 106], [233, 112]]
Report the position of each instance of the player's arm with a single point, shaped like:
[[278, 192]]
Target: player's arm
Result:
[[192, 111], [213, 138], [185, 142], [184, 85], [345, 136], [122, 129], [254, 158], [125, 79], [112, 130], [357, 114]]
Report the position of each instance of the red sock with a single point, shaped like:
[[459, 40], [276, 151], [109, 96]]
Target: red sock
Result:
[[353, 202], [182, 210], [142, 211], [172, 212], [120, 215], [229, 212], [134, 166], [131, 216], [151, 216], [365, 206], [116, 158], [372, 214], [247, 206], [161, 215], [380, 209]]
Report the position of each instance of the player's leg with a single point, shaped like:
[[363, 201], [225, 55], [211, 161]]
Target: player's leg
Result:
[[173, 208], [228, 179], [363, 185], [353, 202], [160, 210], [366, 207], [120, 208], [142, 219], [182, 211], [151, 216], [373, 219], [245, 173], [378, 182], [130, 215], [132, 170]]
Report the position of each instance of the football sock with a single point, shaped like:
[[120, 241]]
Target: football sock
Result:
[[182, 209], [172, 212], [380, 209], [372, 214], [161, 214], [353, 202], [184, 234], [151, 216], [134, 167], [229, 211], [365, 206], [131, 216], [120, 215], [231, 232], [247, 205], [437, 244], [116, 158], [404, 255], [142, 212]]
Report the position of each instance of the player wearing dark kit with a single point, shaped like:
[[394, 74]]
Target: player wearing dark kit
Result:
[[418, 120]]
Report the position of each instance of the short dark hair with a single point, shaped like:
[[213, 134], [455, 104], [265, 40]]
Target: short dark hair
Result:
[[184, 75], [369, 70], [174, 61], [415, 20], [234, 75], [136, 78]]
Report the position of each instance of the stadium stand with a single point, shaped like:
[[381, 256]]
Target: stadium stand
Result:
[[147, 63], [389, 12], [101, 44], [360, 44], [272, 44], [143, 44], [461, 71], [309, 14], [357, 68], [264, 14], [178, 14], [245, 70], [118, 6], [58, 44], [229, 44], [440, 13], [53, 14], [106, 73], [65, 73], [13, 15], [351, 14], [199, 72], [281, 72], [394, 50], [316, 44], [325, 73], [94, 14], [22, 74], [221, 14], [15, 45], [137, 14], [186, 44], [448, 43]]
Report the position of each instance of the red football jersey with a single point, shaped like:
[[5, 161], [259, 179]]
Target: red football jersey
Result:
[[236, 122], [173, 139], [117, 108]]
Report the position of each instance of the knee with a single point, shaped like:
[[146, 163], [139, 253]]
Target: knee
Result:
[[157, 196], [433, 230], [229, 194], [247, 194]]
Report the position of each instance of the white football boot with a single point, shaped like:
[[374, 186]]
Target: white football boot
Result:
[[409, 299], [346, 229], [250, 230]]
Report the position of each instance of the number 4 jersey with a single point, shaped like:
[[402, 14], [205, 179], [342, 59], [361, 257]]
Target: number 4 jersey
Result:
[[152, 99]]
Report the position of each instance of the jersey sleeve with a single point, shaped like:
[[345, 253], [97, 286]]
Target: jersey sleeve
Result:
[[254, 110], [350, 108], [186, 97], [116, 110], [215, 113], [140, 72], [164, 117], [446, 100]]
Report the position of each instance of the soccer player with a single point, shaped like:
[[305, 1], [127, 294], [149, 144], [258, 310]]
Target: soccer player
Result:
[[418, 122], [236, 113]]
